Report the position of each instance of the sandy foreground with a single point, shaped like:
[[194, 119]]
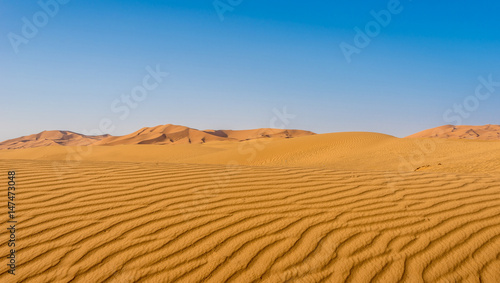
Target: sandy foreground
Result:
[[348, 207]]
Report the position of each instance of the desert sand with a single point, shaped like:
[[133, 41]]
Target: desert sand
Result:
[[486, 132], [341, 207]]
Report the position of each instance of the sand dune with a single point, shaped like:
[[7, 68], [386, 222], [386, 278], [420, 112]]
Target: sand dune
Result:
[[159, 135], [174, 134], [50, 138], [486, 132], [344, 207], [341, 151]]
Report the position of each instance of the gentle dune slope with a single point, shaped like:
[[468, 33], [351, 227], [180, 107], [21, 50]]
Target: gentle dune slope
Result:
[[486, 132], [50, 138], [341, 151], [147, 222]]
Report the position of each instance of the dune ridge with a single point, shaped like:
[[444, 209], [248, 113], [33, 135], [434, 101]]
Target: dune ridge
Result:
[[159, 135], [174, 134], [486, 132]]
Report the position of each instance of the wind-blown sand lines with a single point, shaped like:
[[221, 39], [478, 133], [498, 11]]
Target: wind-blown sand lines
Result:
[[147, 222]]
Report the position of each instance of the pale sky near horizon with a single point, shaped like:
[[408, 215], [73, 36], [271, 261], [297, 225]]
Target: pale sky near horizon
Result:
[[66, 66]]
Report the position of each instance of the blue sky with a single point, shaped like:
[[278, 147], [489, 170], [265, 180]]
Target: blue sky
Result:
[[232, 73]]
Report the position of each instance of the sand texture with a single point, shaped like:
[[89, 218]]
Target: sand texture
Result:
[[344, 207]]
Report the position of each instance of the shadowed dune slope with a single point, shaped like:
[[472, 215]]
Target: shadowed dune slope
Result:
[[145, 222], [486, 132]]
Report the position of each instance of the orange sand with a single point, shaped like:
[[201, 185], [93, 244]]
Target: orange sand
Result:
[[345, 207]]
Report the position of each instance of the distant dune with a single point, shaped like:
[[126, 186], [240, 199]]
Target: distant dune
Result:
[[174, 134], [51, 138], [159, 135], [486, 132]]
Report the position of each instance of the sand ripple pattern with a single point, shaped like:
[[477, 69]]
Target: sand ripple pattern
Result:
[[140, 222]]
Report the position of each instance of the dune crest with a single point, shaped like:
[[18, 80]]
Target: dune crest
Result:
[[159, 135], [486, 132], [174, 134]]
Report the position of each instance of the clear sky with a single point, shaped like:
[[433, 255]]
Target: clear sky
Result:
[[232, 63]]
